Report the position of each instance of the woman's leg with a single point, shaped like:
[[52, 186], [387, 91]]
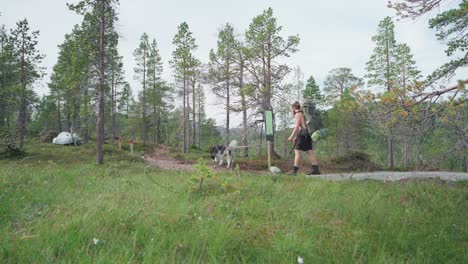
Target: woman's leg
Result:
[[312, 157], [315, 169], [297, 161], [297, 157]]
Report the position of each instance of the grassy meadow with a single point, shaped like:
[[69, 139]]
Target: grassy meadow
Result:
[[57, 206]]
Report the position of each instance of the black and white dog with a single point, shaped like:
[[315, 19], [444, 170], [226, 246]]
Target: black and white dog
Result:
[[218, 153]]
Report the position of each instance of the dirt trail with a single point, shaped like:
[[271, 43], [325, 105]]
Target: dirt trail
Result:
[[161, 157]]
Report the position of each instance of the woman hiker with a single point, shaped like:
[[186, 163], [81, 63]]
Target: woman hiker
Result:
[[302, 140]]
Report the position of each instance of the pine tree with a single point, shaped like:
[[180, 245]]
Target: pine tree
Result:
[[125, 99], [406, 72], [243, 93], [142, 54], [312, 92], [201, 99], [381, 65], [264, 47], [69, 78], [157, 87], [27, 59], [406, 76], [116, 74], [195, 79], [450, 26], [8, 88], [337, 81], [221, 70], [381, 68], [99, 14], [183, 63]]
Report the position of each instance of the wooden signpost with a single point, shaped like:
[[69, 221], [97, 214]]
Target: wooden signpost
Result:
[[269, 133]]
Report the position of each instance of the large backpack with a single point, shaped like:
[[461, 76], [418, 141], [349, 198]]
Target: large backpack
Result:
[[313, 116]]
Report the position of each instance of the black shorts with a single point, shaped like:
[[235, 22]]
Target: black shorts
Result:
[[304, 141]]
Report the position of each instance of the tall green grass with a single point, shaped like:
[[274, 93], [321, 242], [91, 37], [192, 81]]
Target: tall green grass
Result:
[[55, 203]]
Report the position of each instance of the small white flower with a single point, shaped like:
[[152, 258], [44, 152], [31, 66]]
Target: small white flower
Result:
[[300, 260], [199, 218], [95, 241]]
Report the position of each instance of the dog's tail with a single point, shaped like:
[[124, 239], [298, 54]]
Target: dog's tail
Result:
[[233, 143]]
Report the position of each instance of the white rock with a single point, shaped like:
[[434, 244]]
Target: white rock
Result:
[[300, 260], [275, 170]]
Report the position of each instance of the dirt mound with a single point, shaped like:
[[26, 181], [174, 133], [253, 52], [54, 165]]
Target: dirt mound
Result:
[[354, 161]]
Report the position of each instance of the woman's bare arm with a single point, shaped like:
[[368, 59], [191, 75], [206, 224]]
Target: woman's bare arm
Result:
[[298, 118]]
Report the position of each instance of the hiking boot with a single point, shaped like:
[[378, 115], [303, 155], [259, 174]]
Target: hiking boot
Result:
[[294, 171], [314, 171]]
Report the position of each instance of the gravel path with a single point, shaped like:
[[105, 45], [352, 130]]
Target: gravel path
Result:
[[394, 176]]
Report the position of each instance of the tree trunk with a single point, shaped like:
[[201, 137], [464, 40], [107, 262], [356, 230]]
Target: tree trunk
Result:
[[193, 112], [405, 152], [285, 141], [228, 107], [2, 86], [155, 128], [187, 121], [76, 117], [166, 140], [68, 123], [23, 117], [85, 128], [100, 120], [113, 104], [184, 145], [390, 148], [337, 140], [144, 97], [270, 94], [23, 106], [158, 127], [346, 137], [389, 139], [244, 110], [59, 116], [464, 162], [199, 117], [245, 132]]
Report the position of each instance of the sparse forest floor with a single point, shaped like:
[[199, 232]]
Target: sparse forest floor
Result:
[[58, 206]]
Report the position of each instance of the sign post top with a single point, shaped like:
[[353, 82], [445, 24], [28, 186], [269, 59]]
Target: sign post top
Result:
[[269, 125]]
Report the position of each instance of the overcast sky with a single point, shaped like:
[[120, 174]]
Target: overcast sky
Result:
[[333, 33]]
